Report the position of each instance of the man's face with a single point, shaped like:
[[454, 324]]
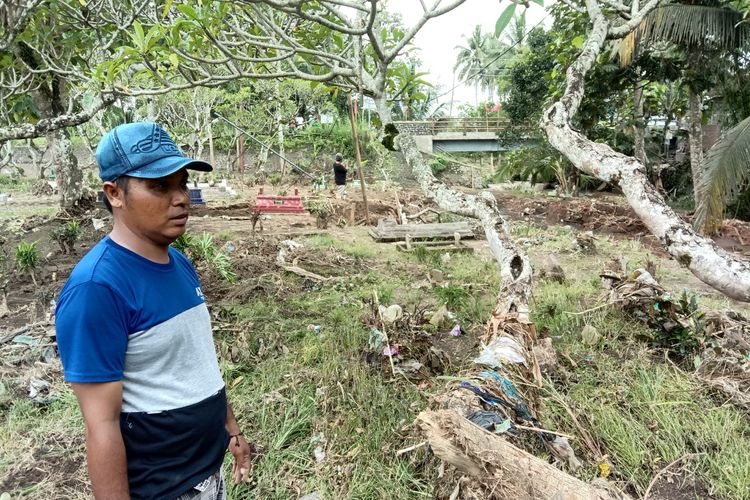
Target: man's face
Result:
[[155, 209]]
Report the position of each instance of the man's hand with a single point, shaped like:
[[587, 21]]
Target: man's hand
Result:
[[242, 452]]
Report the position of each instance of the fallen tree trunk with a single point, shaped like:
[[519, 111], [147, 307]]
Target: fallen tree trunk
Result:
[[709, 263], [503, 469], [515, 267], [509, 323]]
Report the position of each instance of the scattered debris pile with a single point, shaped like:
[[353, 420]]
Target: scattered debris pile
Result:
[[717, 343]]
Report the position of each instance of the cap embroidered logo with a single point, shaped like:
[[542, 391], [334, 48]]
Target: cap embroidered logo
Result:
[[157, 139]]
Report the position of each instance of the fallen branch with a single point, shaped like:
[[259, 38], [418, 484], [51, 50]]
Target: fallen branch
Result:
[[498, 465], [23, 330], [287, 246], [304, 273], [411, 448], [725, 272]]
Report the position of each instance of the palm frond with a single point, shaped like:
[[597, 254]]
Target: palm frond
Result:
[[690, 26], [726, 173]]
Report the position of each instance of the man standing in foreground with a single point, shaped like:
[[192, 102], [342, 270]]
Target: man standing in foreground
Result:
[[339, 176], [135, 338]]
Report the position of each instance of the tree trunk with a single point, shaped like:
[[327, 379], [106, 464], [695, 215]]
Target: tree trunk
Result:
[[712, 265], [639, 132], [695, 114], [69, 175], [241, 153], [503, 469], [211, 152], [381, 104], [515, 267], [510, 316]]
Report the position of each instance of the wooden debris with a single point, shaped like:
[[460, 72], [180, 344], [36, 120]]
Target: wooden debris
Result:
[[433, 246], [506, 471], [388, 230]]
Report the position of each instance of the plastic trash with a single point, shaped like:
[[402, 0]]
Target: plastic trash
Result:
[[491, 421], [392, 313], [26, 340], [314, 328], [456, 331], [376, 340], [501, 350], [390, 351]]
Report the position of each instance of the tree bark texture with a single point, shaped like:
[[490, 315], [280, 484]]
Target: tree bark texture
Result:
[[501, 468], [695, 114], [69, 175], [47, 125], [712, 265], [639, 134]]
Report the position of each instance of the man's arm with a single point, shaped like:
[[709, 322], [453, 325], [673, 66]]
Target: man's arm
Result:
[[101, 404], [241, 450]]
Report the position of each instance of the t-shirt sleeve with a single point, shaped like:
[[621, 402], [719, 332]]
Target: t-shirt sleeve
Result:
[[92, 333]]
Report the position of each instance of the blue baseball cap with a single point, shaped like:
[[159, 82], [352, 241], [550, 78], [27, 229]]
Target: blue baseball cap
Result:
[[142, 150]]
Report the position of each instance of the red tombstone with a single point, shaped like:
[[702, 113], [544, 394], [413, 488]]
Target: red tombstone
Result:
[[271, 204]]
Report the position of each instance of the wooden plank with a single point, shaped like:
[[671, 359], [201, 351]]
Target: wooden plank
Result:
[[390, 231], [435, 246]]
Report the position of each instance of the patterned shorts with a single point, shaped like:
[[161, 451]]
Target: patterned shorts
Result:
[[212, 488]]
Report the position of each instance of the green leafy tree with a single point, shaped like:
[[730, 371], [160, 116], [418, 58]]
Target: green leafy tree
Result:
[[528, 81], [713, 37]]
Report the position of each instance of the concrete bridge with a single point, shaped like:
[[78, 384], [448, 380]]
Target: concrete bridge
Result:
[[468, 135]]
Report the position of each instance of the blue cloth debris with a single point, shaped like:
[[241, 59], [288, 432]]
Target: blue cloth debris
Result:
[[510, 398], [492, 422], [510, 391]]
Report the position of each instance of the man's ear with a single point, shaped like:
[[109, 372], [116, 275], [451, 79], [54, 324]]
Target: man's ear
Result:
[[114, 194]]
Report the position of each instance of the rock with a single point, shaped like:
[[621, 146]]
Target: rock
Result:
[[590, 335], [551, 269], [437, 276]]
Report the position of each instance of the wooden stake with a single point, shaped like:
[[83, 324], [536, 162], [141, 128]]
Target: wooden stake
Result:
[[355, 136]]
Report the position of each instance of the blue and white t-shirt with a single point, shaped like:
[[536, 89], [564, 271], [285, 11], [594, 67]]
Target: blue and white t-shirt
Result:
[[123, 317]]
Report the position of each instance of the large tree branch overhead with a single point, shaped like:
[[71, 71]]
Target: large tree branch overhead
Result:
[[712, 265], [47, 125]]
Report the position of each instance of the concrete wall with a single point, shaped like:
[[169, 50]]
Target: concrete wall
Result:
[[414, 128]]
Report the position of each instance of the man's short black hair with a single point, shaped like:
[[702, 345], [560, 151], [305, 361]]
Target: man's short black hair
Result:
[[339, 157], [122, 183]]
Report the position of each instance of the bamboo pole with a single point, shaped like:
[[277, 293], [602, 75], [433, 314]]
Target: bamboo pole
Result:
[[355, 136]]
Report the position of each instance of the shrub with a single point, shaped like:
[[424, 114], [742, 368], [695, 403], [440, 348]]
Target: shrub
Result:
[[27, 258], [203, 250], [66, 236]]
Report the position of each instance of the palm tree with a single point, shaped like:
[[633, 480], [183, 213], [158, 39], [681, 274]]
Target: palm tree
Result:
[[479, 61], [704, 31]]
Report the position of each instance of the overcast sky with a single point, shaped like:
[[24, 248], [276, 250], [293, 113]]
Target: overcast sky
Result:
[[437, 40]]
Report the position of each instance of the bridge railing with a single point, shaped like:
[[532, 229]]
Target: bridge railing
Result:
[[461, 125]]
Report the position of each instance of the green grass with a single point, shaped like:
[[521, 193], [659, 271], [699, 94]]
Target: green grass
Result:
[[11, 212], [326, 389], [642, 411], [15, 184], [288, 384]]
